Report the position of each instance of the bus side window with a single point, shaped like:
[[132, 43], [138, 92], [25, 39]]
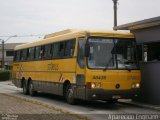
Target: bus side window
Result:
[[69, 48], [21, 55], [42, 52], [58, 51], [61, 50], [81, 52], [37, 53], [52, 50], [55, 48], [24, 54], [18, 56], [15, 55], [47, 53], [28, 54], [31, 53]]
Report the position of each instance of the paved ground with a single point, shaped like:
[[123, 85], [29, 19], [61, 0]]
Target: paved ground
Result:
[[97, 110], [23, 109]]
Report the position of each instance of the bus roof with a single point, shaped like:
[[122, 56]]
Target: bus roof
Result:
[[73, 33]]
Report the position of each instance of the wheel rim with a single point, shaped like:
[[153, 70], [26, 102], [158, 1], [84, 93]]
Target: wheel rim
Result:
[[24, 88], [31, 88], [70, 97]]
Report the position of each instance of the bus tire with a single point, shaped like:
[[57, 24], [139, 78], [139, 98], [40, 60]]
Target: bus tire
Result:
[[70, 95], [25, 88], [32, 92]]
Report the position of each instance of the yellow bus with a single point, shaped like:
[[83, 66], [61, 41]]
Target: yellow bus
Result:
[[79, 64]]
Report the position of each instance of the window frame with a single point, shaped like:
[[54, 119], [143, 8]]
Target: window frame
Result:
[[9, 52], [80, 60]]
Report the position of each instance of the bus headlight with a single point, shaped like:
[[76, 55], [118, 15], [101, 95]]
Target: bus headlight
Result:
[[93, 85], [137, 85], [96, 85]]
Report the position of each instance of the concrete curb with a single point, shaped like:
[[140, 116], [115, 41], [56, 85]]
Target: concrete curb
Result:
[[47, 106], [153, 107]]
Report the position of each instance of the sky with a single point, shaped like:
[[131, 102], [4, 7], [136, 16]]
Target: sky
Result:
[[40, 17]]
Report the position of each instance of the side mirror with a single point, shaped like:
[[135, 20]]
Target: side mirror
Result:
[[87, 50]]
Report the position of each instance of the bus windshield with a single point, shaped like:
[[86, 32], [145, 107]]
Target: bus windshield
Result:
[[112, 53]]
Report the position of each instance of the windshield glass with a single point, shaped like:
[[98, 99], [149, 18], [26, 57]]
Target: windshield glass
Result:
[[109, 53]]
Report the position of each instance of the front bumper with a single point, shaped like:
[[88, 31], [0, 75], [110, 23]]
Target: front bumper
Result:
[[100, 94]]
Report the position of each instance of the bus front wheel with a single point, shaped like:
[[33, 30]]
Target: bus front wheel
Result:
[[70, 95]]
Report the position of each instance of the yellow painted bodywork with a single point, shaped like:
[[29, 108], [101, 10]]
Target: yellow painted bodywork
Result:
[[59, 70], [47, 70], [123, 77]]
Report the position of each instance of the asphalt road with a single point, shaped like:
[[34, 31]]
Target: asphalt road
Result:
[[97, 110]]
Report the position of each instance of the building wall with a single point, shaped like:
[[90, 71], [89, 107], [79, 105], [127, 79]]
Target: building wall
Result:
[[151, 82], [148, 34], [7, 59], [150, 69]]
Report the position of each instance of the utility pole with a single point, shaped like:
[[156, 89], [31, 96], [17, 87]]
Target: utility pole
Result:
[[115, 12], [2, 54], [2, 62]]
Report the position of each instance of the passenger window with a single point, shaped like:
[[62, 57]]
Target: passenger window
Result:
[[47, 53], [37, 52], [69, 48], [61, 52], [52, 50], [21, 55], [31, 53], [63, 49], [24, 54], [58, 50], [42, 52], [18, 56], [55, 50]]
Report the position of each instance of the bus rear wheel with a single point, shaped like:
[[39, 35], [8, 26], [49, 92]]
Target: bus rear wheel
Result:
[[25, 88], [32, 92], [70, 95]]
